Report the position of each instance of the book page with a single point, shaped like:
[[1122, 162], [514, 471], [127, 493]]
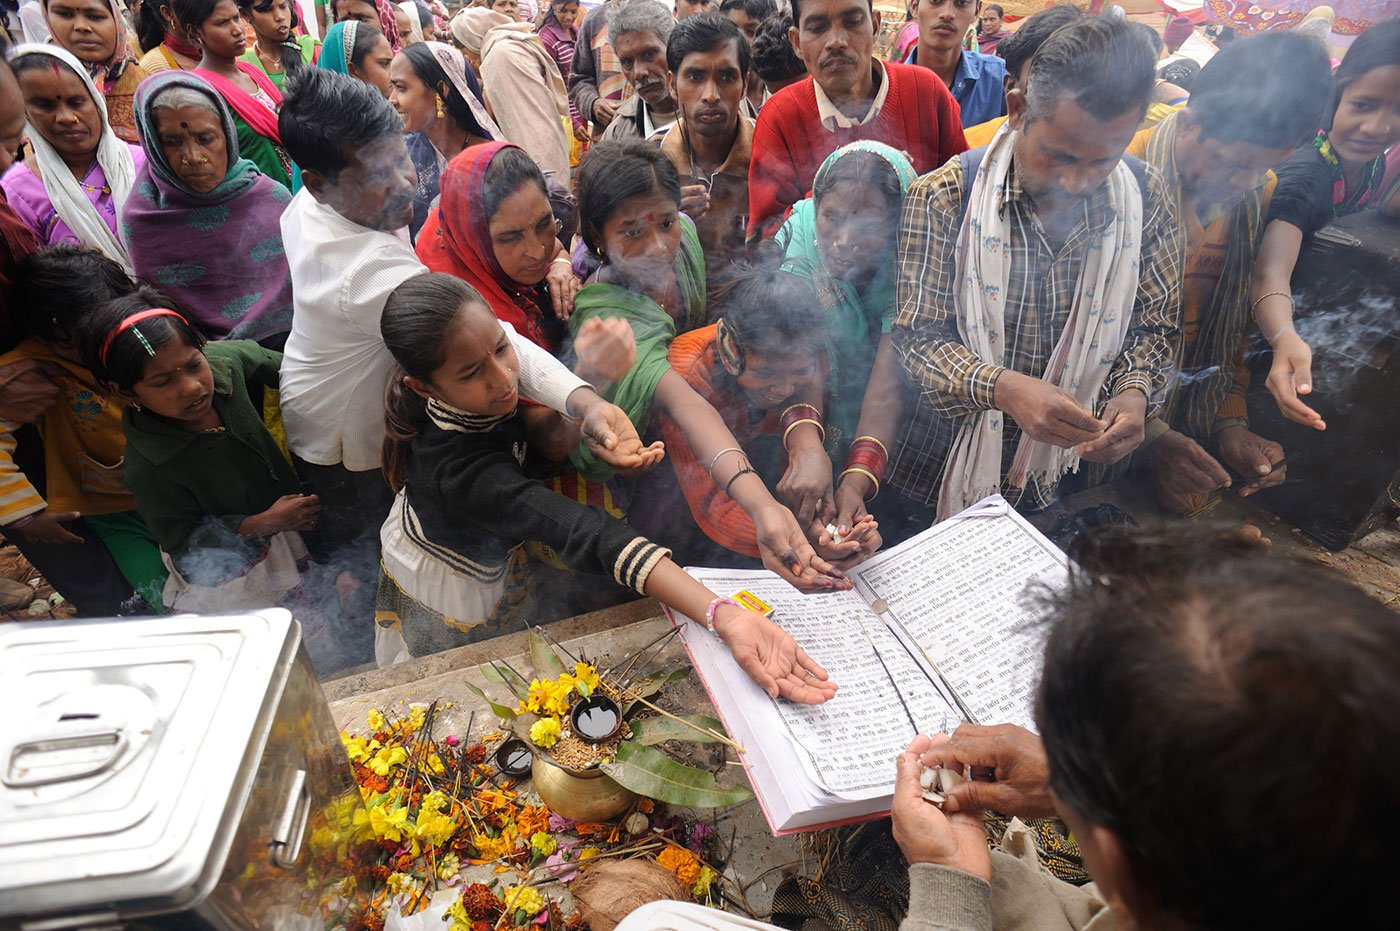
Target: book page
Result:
[[958, 591], [851, 741]]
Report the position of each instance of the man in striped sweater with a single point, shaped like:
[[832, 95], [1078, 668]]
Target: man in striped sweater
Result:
[[849, 96]]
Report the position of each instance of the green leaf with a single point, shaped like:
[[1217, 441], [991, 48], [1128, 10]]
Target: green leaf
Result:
[[648, 686], [542, 656], [501, 711], [651, 773], [652, 731]]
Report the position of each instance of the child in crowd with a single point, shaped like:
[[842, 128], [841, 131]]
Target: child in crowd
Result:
[[1341, 173], [81, 435], [767, 349], [220, 497], [453, 566]]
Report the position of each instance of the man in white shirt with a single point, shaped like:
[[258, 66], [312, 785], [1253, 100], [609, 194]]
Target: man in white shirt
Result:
[[347, 248]]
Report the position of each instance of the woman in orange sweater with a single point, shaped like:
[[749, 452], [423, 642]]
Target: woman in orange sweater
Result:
[[765, 354]]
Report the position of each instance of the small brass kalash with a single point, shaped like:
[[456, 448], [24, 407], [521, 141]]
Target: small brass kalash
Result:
[[176, 772]]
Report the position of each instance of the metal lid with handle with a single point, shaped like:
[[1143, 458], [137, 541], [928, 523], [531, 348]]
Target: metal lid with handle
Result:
[[125, 755]]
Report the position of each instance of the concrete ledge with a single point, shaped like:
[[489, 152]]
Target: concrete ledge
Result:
[[373, 680]]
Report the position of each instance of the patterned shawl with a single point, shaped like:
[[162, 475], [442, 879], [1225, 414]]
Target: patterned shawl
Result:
[[457, 240], [854, 319], [652, 328], [339, 47], [235, 284]]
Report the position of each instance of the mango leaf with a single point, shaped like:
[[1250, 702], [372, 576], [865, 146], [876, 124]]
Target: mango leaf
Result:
[[653, 774], [542, 656], [648, 686], [652, 731], [501, 711]]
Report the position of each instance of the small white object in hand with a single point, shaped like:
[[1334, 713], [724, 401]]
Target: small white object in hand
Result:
[[835, 537], [936, 782]]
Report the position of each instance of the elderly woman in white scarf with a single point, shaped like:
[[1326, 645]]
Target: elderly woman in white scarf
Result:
[[81, 174]]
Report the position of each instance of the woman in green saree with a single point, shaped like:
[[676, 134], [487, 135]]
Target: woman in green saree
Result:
[[843, 239], [653, 276]]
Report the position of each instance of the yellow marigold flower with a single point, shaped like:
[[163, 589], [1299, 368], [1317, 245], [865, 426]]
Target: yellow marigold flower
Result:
[[543, 843], [523, 899], [386, 759], [434, 828], [435, 801], [457, 912], [587, 675], [449, 865], [416, 716], [545, 732], [389, 824], [375, 719], [684, 864], [702, 885], [399, 882], [435, 765], [588, 853]]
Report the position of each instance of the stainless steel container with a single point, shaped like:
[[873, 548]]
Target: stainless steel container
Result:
[[179, 772]]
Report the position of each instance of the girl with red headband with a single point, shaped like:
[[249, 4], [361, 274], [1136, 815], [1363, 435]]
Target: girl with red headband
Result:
[[217, 492]]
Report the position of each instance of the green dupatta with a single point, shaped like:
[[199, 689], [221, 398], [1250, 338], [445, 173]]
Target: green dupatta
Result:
[[652, 328], [855, 319]]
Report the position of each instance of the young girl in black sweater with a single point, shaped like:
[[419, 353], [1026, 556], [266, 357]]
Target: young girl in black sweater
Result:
[[453, 569]]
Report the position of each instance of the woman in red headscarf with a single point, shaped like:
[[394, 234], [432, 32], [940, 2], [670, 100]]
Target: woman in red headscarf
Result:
[[494, 228]]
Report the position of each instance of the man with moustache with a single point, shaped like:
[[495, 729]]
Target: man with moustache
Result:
[[708, 60], [1041, 341], [346, 235], [975, 78], [849, 96], [638, 32]]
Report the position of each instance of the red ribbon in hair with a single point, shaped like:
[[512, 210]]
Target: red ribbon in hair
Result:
[[131, 321]]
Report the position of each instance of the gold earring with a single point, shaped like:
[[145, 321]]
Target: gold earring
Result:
[[441, 111]]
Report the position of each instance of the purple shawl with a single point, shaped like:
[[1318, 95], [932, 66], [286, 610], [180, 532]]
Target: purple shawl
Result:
[[219, 255]]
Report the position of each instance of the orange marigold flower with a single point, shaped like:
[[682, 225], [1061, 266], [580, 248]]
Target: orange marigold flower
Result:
[[475, 753], [481, 903], [532, 819], [646, 806], [680, 861]]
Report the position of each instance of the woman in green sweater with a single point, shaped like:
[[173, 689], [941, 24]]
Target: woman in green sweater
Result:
[[217, 492]]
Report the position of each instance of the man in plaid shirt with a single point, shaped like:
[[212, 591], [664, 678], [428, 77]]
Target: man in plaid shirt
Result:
[[1085, 97]]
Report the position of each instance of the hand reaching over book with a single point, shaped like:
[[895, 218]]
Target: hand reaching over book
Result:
[[771, 657]]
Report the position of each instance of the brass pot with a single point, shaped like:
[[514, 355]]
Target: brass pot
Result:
[[579, 795]]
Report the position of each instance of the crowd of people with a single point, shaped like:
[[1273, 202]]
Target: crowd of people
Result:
[[744, 290], [448, 321]]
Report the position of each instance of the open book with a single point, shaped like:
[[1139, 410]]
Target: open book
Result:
[[936, 632]]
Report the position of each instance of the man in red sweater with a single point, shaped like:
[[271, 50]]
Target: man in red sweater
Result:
[[849, 96]]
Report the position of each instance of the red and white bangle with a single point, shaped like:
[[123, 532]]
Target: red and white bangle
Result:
[[714, 607]]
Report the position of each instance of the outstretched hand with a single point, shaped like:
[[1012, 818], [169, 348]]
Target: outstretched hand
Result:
[[1290, 377], [924, 833], [611, 436], [786, 550], [772, 658]]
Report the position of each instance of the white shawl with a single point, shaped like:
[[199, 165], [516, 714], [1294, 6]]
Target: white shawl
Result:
[[69, 200]]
